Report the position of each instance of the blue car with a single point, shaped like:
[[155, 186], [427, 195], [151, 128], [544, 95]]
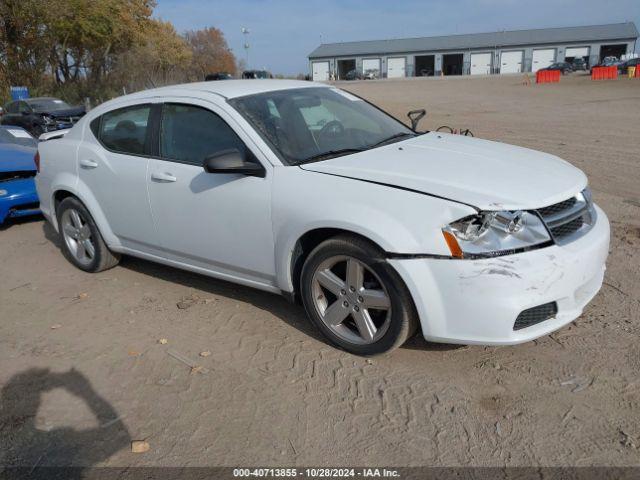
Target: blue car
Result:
[[18, 197]]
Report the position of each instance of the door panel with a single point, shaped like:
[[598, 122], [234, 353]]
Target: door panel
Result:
[[511, 62], [396, 67], [118, 181], [480, 64], [218, 222], [320, 71], [543, 58]]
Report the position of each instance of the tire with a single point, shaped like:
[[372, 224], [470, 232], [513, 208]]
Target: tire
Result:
[[372, 324], [77, 227]]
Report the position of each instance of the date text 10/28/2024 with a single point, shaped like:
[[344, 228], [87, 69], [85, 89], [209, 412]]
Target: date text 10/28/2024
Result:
[[316, 472]]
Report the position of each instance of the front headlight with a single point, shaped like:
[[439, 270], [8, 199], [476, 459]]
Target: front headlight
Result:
[[490, 234]]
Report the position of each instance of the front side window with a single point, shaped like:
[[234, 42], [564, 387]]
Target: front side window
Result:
[[189, 134], [308, 124], [125, 130], [23, 107]]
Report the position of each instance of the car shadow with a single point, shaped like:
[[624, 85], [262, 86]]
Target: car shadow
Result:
[[292, 314], [26, 447], [51, 234]]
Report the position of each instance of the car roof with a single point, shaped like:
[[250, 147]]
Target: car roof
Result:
[[230, 88], [35, 99]]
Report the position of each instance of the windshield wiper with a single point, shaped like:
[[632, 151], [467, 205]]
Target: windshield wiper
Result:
[[391, 139], [330, 154]]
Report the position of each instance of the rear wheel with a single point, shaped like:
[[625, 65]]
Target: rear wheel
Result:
[[355, 298], [82, 243]]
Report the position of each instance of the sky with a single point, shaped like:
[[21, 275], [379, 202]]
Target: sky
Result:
[[284, 32]]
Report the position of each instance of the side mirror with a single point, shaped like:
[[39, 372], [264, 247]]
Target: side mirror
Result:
[[25, 112], [232, 161], [415, 116]]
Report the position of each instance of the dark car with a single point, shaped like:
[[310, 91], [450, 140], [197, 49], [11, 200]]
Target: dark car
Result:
[[41, 114], [563, 67], [218, 76], [353, 75], [18, 196], [632, 62], [254, 74], [579, 63]]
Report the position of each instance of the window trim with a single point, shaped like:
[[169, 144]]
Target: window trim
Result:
[[157, 141], [147, 135]]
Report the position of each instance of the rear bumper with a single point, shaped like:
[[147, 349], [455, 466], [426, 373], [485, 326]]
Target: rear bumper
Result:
[[20, 200], [478, 301]]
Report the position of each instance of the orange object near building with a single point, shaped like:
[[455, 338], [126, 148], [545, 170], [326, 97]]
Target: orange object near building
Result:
[[637, 72], [547, 76], [604, 73]]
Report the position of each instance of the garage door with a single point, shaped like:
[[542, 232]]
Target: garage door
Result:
[[511, 62], [396, 67], [320, 71], [577, 52], [480, 64], [371, 64], [543, 58]]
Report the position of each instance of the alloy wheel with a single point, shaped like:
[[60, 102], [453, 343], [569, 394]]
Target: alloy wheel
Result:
[[77, 236], [351, 300]]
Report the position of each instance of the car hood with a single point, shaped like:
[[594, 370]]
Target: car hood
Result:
[[16, 158], [485, 174]]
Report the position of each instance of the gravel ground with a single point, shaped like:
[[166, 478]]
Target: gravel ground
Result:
[[84, 371]]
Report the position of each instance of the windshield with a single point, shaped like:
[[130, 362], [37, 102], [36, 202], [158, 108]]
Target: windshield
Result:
[[17, 136], [310, 124], [48, 105]]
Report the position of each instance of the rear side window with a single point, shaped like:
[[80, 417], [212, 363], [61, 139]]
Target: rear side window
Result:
[[125, 130], [12, 107], [189, 134]]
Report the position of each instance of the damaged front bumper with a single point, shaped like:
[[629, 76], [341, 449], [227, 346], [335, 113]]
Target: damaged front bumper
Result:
[[18, 198], [478, 301]]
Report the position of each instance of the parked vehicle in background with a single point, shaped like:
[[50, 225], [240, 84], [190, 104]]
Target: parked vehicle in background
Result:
[[610, 62], [624, 68], [353, 75], [218, 76], [371, 74], [563, 67], [579, 63], [306, 190], [18, 197], [256, 74], [41, 114]]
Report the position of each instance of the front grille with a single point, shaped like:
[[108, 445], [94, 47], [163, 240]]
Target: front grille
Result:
[[567, 217], [568, 228], [6, 176], [27, 206], [535, 315], [558, 207]]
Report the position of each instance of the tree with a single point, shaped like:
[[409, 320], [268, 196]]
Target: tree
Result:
[[163, 57], [24, 43], [210, 53]]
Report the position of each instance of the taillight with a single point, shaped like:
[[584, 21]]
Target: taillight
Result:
[[36, 160]]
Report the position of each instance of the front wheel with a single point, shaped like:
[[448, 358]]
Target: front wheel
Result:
[[355, 298]]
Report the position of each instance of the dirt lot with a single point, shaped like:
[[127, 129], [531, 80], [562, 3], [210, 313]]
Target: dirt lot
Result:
[[83, 372]]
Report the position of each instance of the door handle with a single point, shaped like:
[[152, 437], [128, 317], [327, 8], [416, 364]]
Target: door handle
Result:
[[88, 163], [163, 177]]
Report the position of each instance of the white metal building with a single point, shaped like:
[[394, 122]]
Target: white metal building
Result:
[[473, 54]]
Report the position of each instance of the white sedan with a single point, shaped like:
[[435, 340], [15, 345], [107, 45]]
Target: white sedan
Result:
[[308, 191]]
